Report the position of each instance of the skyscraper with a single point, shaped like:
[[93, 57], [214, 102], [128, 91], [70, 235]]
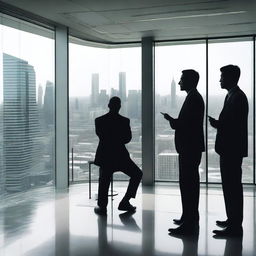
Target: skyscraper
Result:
[[40, 96], [173, 94], [76, 104], [95, 90], [168, 166], [122, 86], [103, 98], [49, 104], [113, 92], [133, 104], [21, 133], [2, 168]]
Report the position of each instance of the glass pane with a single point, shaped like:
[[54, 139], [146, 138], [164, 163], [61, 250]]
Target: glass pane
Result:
[[222, 53], [170, 60], [96, 74], [27, 123]]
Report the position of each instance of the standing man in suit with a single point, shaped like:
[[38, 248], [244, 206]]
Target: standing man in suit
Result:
[[232, 145], [189, 143], [114, 132]]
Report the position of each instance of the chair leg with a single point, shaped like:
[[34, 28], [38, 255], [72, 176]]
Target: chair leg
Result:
[[90, 188], [112, 194]]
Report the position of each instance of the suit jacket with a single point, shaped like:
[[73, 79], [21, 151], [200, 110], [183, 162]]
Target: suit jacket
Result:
[[189, 132], [232, 130], [114, 132]]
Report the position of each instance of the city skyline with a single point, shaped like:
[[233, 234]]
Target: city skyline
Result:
[[166, 155], [86, 112], [114, 61], [112, 66], [169, 62]]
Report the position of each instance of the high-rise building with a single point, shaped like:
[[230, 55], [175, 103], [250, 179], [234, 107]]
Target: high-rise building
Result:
[[133, 104], [122, 86], [21, 131], [40, 96], [173, 94], [103, 98], [165, 142], [95, 90], [168, 166], [76, 104], [49, 104], [2, 168], [114, 92]]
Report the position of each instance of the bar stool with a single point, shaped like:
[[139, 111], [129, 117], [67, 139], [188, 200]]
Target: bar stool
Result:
[[90, 181]]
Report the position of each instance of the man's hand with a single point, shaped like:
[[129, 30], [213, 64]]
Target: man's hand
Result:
[[166, 116], [213, 122]]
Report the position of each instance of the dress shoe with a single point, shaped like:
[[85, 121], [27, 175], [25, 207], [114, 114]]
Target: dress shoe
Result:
[[100, 210], [126, 206], [222, 224], [184, 230], [188, 222], [178, 221], [228, 232]]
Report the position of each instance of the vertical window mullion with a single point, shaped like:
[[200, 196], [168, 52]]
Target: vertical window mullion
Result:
[[206, 113], [254, 182]]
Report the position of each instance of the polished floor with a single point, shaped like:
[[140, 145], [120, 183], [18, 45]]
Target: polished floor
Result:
[[42, 222]]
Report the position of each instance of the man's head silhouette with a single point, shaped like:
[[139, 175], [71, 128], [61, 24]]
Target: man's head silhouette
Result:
[[229, 77], [189, 80], [114, 104]]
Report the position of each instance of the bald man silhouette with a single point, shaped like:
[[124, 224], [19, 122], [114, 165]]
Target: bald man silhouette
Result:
[[114, 133]]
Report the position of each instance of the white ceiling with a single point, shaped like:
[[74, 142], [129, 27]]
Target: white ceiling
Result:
[[117, 21]]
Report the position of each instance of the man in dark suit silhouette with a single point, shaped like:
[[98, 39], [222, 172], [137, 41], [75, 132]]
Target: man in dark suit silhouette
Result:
[[114, 132], [232, 145], [189, 143]]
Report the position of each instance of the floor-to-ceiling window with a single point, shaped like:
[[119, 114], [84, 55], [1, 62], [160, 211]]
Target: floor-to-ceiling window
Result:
[[96, 73], [224, 52], [207, 57], [27, 123], [170, 60]]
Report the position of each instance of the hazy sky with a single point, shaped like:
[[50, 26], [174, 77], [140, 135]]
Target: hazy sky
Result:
[[84, 60], [37, 50], [169, 62]]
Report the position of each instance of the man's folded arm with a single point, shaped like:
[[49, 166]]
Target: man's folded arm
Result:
[[127, 136]]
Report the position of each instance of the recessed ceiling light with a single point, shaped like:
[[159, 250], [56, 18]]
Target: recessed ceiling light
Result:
[[188, 16]]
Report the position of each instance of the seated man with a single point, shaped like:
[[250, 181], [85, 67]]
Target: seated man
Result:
[[114, 132]]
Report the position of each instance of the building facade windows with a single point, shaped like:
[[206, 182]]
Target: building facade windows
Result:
[[27, 123]]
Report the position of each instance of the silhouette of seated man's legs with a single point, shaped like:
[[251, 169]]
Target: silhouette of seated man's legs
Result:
[[104, 182], [130, 169], [135, 174]]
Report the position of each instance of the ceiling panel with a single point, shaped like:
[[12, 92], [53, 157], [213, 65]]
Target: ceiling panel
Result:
[[126, 21]]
